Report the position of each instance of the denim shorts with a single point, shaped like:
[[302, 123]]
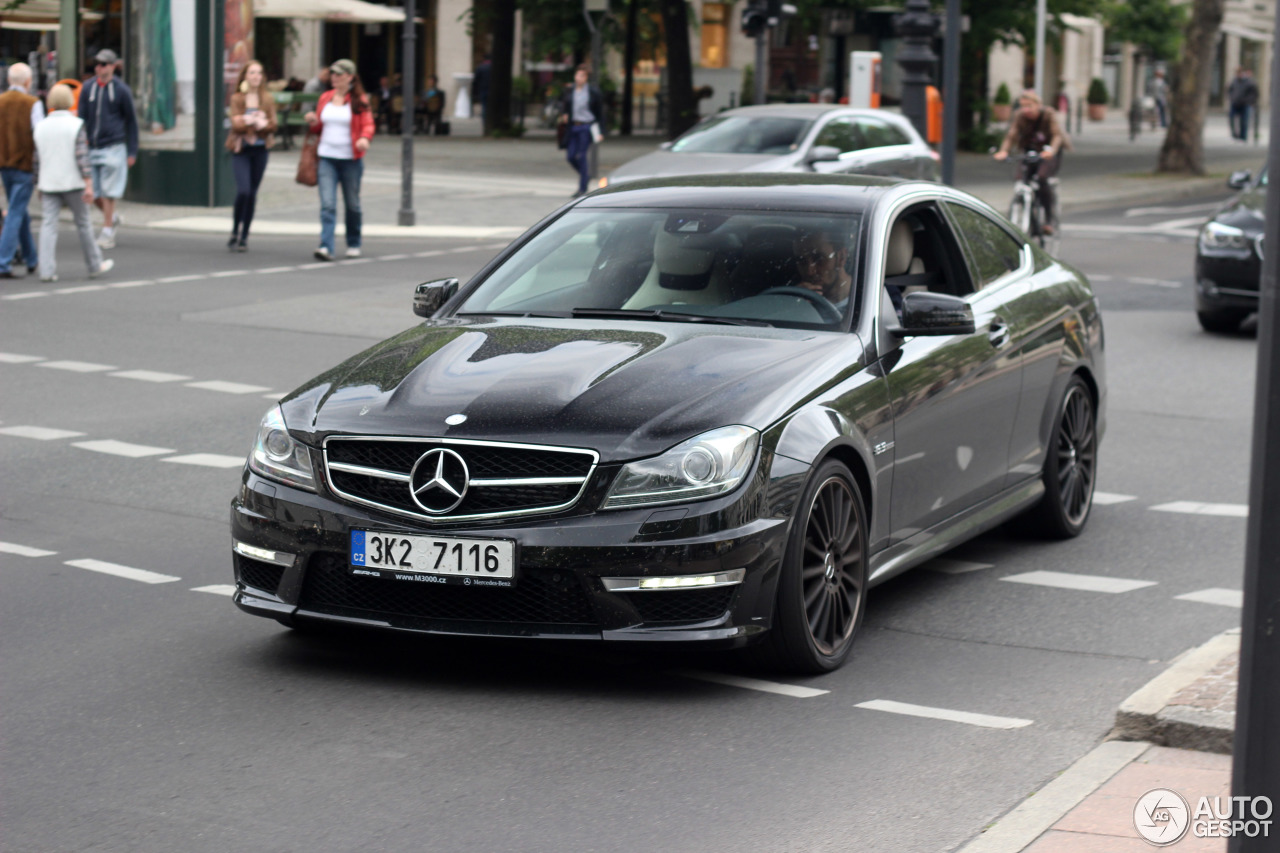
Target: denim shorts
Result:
[[110, 167]]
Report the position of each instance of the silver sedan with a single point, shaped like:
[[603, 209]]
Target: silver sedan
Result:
[[825, 138]]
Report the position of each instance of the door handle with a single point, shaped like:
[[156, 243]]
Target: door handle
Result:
[[998, 333]]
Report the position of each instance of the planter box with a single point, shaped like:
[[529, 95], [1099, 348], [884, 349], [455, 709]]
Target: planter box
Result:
[[1001, 112], [1097, 112]]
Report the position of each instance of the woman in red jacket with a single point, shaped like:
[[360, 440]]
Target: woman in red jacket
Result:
[[345, 123]]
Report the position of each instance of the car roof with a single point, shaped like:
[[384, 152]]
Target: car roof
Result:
[[749, 191], [805, 111]]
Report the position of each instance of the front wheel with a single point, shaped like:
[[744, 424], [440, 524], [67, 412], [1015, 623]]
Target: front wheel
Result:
[[1221, 320], [1020, 213], [823, 587], [1071, 465]]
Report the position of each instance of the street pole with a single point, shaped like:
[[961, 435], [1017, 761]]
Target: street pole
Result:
[[951, 92], [1256, 751], [1041, 14], [916, 26], [762, 59], [597, 51], [407, 216], [68, 40]]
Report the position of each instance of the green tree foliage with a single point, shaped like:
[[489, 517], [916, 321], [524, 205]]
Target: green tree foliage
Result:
[[1154, 26]]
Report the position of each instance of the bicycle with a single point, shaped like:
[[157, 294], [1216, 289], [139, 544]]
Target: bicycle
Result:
[[1025, 209]]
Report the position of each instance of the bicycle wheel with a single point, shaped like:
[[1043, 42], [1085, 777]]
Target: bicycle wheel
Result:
[[1020, 213]]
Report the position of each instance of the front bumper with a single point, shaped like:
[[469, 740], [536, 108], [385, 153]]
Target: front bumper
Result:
[[1228, 280], [291, 564]]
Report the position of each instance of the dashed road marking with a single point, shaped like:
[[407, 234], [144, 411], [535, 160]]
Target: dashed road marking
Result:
[[122, 448], [84, 288], [948, 566], [31, 294], [228, 387], [127, 572], [39, 433], [216, 589], [150, 376], [792, 690], [17, 358], [1194, 508], [1083, 583], [125, 285], [1105, 498], [24, 550], [176, 278], [76, 366], [1215, 595], [986, 721], [207, 460]]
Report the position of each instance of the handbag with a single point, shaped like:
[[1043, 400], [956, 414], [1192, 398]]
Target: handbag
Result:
[[309, 161]]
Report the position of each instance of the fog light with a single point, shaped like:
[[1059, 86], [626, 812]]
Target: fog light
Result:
[[279, 558], [1207, 287], [729, 578]]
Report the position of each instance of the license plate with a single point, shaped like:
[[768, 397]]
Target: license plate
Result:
[[433, 559]]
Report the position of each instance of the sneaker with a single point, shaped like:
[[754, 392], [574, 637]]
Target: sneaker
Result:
[[231, 244], [106, 240], [353, 252], [323, 254], [104, 267], [49, 278], [242, 245]]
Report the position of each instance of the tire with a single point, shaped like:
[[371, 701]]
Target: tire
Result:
[[1221, 320], [1070, 467], [822, 591], [1019, 214]]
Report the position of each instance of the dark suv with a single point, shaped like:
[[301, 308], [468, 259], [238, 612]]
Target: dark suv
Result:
[[1229, 256]]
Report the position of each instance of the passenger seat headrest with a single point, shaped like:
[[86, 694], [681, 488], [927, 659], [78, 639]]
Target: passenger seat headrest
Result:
[[683, 261], [902, 247]]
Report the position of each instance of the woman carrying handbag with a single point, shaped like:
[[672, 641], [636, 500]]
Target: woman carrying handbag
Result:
[[253, 123], [345, 125]]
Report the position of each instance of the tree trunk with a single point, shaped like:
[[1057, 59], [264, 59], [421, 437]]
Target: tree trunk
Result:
[[1183, 149], [628, 66], [498, 109], [682, 107]]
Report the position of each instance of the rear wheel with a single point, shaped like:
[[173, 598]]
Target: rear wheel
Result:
[[1221, 320], [822, 590], [1071, 466]]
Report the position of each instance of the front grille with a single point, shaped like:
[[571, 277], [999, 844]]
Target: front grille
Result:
[[694, 605], [539, 597], [257, 574], [384, 466]]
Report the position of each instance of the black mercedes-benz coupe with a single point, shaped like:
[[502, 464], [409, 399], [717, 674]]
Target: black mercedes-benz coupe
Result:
[[710, 409], [1229, 256]]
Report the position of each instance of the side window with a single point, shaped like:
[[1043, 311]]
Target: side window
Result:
[[841, 133], [876, 133], [992, 252]]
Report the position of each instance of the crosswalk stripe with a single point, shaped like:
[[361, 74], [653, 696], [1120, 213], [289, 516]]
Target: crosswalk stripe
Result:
[[39, 433], [207, 460], [228, 387], [127, 572], [24, 550], [122, 448], [1215, 595], [1194, 508], [1104, 498], [76, 366], [149, 375], [984, 720], [792, 690], [17, 358], [1084, 583], [216, 589]]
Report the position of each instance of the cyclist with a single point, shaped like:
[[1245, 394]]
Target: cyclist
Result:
[[1035, 127]]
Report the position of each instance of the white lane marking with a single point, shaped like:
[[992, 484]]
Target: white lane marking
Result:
[[350, 261], [175, 278], [1194, 508], [142, 282], [122, 448], [954, 567], [228, 387], [84, 288], [39, 433], [24, 550], [985, 720], [127, 572], [16, 358], [76, 366], [1105, 498], [149, 376], [791, 690], [394, 257], [272, 270], [216, 589], [228, 273], [429, 254], [272, 396], [318, 265], [31, 294], [1084, 583], [1215, 595], [1185, 208], [207, 460]]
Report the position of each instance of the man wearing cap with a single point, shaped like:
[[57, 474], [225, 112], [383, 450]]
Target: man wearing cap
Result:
[[19, 115], [106, 105]]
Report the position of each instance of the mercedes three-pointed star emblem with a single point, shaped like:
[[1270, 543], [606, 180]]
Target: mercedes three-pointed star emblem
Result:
[[439, 480]]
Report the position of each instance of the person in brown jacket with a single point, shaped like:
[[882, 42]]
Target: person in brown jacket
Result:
[[19, 115], [1035, 127], [253, 125]]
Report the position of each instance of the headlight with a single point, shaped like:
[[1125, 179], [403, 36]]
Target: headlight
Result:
[[709, 464], [277, 456], [1215, 235]]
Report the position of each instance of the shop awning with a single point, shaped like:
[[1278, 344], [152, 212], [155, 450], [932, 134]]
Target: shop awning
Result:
[[1246, 33], [38, 15], [336, 11]]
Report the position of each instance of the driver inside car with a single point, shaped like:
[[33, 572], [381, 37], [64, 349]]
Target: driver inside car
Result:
[[820, 262]]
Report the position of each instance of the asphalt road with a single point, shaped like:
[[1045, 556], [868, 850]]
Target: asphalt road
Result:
[[140, 711]]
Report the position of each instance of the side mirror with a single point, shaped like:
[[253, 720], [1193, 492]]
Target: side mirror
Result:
[[430, 295], [822, 154], [1239, 180], [925, 313]]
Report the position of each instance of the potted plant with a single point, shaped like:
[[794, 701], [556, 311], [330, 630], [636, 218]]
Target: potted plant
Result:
[[1002, 103], [1097, 100]]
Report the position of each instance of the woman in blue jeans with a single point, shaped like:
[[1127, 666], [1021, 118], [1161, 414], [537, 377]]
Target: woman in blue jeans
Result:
[[345, 123], [253, 123]]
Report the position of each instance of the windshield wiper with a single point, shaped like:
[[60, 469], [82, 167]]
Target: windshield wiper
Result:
[[555, 315], [672, 316]]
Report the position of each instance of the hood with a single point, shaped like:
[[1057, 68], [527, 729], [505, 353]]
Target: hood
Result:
[[1245, 211], [665, 163], [628, 389]]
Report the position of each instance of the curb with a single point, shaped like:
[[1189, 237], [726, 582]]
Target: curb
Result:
[[1148, 716]]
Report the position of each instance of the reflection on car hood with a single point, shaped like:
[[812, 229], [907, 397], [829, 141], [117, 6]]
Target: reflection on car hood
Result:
[[1245, 211], [628, 390], [662, 163]]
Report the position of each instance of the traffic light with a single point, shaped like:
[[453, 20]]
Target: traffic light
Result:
[[754, 19]]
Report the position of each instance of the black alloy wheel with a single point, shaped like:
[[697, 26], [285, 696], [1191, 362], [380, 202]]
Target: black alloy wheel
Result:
[[1221, 320], [823, 588], [1071, 466]]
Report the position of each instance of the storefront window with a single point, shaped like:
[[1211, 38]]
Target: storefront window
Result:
[[715, 35]]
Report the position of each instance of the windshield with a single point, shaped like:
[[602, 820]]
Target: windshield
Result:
[[742, 135], [775, 268]]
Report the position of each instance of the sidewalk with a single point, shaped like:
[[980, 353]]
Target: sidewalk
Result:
[[1173, 734]]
